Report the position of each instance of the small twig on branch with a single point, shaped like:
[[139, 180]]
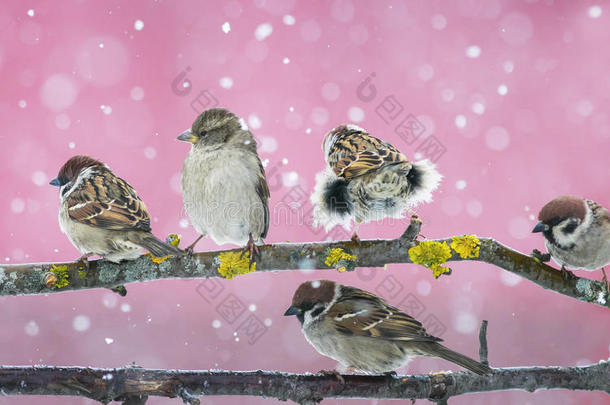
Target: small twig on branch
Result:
[[483, 352], [105, 385], [38, 278]]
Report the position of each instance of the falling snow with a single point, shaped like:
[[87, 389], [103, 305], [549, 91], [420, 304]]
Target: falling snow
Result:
[[290, 179], [473, 51], [355, 114], [439, 22], [460, 121], [254, 121], [39, 178], [81, 323], [137, 93], [225, 82], [17, 205], [263, 31], [595, 11], [31, 328], [288, 19]]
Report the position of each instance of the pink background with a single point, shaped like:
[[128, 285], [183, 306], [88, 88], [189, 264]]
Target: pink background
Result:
[[516, 91]]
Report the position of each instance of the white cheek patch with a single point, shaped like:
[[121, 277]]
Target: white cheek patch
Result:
[[63, 190], [309, 318], [571, 239], [565, 239]]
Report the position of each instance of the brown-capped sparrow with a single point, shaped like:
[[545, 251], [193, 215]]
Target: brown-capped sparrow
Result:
[[576, 232], [223, 181], [367, 179], [360, 330], [102, 215]]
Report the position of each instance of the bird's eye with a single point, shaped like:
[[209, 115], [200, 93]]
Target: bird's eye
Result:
[[202, 133]]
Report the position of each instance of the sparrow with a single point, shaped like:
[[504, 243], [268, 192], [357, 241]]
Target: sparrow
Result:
[[362, 331], [224, 188], [576, 232], [101, 213], [367, 179]]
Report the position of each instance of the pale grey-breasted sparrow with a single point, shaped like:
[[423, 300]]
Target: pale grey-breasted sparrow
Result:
[[367, 179], [360, 330], [223, 181], [102, 215], [576, 232]]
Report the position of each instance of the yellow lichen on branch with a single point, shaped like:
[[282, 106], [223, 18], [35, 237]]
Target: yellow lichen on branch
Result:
[[340, 260], [174, 240], [467, 246], [432, 255], [58, 277], [232, 264]]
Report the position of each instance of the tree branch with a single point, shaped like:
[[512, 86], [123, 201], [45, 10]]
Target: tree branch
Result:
[[483, 352], [123, 384], [34, 278]]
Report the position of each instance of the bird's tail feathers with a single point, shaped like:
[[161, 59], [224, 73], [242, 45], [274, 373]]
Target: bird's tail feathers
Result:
[[438, 350], [157, 247], [332, 202], [424, 179]]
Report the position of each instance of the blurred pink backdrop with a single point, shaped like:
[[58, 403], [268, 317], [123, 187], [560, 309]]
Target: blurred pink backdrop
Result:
[[515, 95]]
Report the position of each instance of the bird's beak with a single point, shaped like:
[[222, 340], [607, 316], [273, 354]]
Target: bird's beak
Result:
[[292, 311], [540, 227], [55, 182], [187, 136]]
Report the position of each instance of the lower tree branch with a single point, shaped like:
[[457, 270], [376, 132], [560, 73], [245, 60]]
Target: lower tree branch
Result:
[[129, 384], [43, 278]]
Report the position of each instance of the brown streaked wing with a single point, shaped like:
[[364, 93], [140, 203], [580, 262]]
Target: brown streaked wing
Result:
[[357, 153], [106, 201], [360, 313]]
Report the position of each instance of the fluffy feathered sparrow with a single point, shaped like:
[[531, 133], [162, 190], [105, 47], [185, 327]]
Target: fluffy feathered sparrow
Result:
[[576, 232], [362, 331], [102, 215], [223, 181], [367, 179]]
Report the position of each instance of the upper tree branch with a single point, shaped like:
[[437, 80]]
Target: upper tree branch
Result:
[[129, 384], [22, 279]]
